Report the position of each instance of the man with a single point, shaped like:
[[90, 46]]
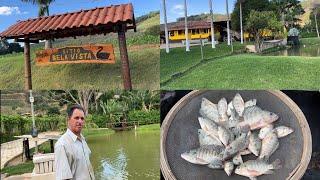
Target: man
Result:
[[71, 150]]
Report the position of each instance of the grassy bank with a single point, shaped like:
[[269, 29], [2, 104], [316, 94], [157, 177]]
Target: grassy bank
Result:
[[26, 167], [97, 132], [253, 72], [178, 60], [310, 41], [144, 66], [149, 128]]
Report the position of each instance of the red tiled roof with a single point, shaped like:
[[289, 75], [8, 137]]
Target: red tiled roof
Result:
[[104, 18]]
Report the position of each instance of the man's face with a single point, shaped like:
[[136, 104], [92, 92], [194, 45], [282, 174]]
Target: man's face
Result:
[[76, 121]]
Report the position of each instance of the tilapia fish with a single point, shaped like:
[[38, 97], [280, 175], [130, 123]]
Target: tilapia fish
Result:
[[282, 131], [238, 104], [254, 144], [225, 135], [269, 145], [265, 130], [237, 145], [237, 159], [210, 127], [257, 118], [230, 107], [205, 155], [206, 139], [209, 110], [222, 109], [255, 168], [228, 167]]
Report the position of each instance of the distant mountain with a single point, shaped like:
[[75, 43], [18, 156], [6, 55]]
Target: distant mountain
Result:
[[204, 17]]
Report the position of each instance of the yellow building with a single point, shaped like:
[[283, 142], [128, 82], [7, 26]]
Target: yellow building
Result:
[[196, 30]]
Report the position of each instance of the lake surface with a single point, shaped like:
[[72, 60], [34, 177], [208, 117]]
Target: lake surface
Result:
[[126, 155], [308, 51]]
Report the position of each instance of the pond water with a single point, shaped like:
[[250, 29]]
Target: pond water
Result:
[[126, 155], [309, 51]]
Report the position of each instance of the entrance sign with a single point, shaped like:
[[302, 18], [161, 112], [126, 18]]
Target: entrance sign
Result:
[[101, 20], [77, 54]]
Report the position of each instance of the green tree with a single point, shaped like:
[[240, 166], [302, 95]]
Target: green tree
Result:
[[288, 11], [247, 6], [259, 22], [42, 11]]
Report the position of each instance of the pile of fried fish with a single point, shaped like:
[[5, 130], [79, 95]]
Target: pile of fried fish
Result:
[[230, 131]]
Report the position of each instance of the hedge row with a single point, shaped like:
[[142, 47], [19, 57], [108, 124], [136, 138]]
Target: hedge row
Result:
[[17, 125]]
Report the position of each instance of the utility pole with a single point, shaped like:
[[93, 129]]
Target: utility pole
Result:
[[213, 43], [241, 27], [186, 25], [165, 25], [228, 23], [34, 132]]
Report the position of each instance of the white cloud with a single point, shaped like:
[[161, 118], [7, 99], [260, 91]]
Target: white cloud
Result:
[[178, 9], [6, 10]]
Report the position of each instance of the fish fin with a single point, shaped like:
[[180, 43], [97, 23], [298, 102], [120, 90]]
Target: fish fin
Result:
[[263, 158], [253, 178], [276, 164], [269, 172]]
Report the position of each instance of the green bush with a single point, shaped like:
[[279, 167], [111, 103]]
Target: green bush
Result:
[[145, 117], [53, 111], [305, 34], [17, 125]]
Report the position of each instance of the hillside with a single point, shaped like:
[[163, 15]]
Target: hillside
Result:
[[307, 5], [204, 16], [149, 23]]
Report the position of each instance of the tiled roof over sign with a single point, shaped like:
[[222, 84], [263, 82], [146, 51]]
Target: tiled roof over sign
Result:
[[103, 18]]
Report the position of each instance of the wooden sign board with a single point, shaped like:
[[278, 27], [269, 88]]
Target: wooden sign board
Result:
[[77, 54]]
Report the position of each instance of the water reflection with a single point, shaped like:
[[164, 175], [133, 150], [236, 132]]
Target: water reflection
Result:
[[308, 51], [114, 168], [126, 155]]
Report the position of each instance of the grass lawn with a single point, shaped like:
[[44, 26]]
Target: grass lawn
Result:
[[253, 72], [26, 167], [178, 60], [144, 64]]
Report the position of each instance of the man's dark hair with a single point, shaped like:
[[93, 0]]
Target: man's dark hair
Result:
[[72, 108]]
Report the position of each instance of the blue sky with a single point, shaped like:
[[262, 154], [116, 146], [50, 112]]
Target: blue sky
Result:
[[13, 10], [175, 8]]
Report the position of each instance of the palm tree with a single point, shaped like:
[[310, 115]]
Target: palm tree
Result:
[[42, 11]]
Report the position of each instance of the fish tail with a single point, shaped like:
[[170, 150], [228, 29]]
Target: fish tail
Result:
[[276, 164]]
